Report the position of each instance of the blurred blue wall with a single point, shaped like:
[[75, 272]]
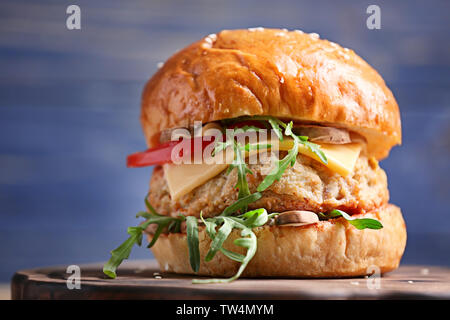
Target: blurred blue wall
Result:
[[69, 108]]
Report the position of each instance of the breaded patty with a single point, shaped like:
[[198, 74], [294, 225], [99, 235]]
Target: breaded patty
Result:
[[308, 185]]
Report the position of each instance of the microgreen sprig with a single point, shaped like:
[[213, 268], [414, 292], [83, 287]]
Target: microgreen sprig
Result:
[[281, 165], [241, 203], [282, 129], [358, 223], [242, 170], [123, 251], [278, 126], [245, 222], [193, 243]]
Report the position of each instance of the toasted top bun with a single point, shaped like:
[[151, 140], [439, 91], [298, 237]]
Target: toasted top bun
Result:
[[289, 75]]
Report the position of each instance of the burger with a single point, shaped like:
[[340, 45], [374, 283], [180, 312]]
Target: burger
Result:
[[317, 207]]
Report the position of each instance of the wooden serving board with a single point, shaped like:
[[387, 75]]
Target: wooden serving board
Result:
[[143, 280]]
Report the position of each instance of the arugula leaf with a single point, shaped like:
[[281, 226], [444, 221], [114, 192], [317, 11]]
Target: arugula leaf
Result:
[[241, 203], [240, 164], [149, 206], [232, 255], [220, 146], [281, 165], [174, 226], [210, 226], [255, 218], [257, 146], [276, 127], [242, 170], [162, 222], [363, 223], [211, 231], [277, 124], [316, 149], [123, 251], [192, 240], [158, 232], [290, 158], [143, 214], [245, 222], [250, 243], [220, 238]]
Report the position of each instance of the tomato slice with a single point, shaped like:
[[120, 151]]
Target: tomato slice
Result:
[[163, 153]]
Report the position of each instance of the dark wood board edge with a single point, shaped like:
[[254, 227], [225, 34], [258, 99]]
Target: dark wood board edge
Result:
[[36, 284]]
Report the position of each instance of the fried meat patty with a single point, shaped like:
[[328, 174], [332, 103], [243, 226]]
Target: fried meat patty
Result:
[[308, 185]]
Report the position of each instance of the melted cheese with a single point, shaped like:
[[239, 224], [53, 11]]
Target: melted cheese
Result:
[[183, 178]]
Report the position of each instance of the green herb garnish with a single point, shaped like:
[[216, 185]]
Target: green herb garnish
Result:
[[220, 146], [123, 251], [242, 170], [241, 203], [281, 165], [363, 223], [211, 231], [192, 240], [277, 125], [219, 238], [245, 222]]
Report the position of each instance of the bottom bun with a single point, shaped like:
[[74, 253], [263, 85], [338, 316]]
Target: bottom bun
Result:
[[332, 248]]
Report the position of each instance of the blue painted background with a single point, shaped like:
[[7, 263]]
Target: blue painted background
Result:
[[69, 108]]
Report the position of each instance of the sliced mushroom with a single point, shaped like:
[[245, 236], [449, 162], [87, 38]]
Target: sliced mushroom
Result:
[[296, 218], [323, 134]]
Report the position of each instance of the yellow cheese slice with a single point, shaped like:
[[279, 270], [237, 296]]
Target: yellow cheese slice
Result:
[[183, 178], [341, 157]]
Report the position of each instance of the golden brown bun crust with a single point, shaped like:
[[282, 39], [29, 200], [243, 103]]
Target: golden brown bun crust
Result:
[[325, 249], [273, 72]]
